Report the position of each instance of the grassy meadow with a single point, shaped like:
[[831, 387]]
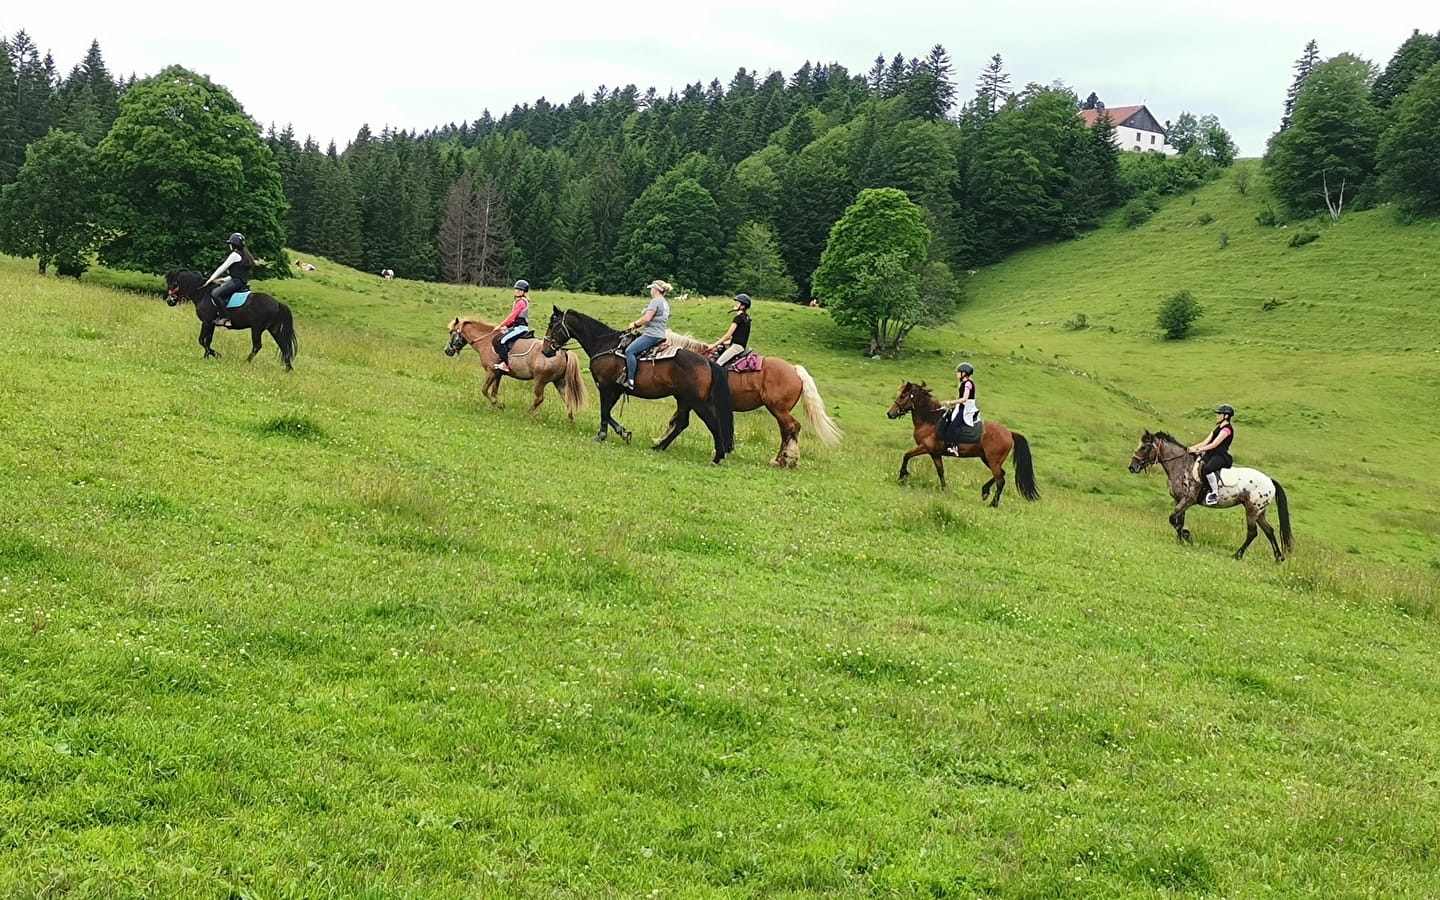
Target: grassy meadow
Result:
[[347, 632]]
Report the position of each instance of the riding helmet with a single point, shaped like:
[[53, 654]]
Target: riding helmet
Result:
[[966, 368], [522, 285], [1225, 409], [743, 300], [236, 239]]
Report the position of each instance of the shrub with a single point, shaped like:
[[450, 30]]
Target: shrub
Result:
[[1224, 239], [1266, 217], [1205, 219], [1303, 237], [1177, 313], [1138, 211], [1079, 323]]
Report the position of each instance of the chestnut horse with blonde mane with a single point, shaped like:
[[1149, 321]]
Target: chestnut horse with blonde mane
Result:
[[527, 363], [778, 386], [996, 443]]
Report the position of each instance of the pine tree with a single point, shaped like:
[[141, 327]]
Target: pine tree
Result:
[[12, 149], [1092, 102], [753, 264], [1303, 67], [1414, 58], [992, 89], [331, 227], [34, 91]]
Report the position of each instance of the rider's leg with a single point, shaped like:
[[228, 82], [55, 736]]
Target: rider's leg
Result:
[[632, 355]]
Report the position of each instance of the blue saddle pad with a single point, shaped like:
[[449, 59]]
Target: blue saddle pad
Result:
[[238, 299]]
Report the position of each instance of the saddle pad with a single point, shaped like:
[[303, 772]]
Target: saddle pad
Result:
[[237, 299], [749, 361], [955, 431], [1228, 477], [663, 350]]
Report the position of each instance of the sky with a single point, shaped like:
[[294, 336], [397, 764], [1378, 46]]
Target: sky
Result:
[[327, 68]]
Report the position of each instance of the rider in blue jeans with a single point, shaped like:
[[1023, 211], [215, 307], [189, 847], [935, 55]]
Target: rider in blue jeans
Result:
[[653, 320]]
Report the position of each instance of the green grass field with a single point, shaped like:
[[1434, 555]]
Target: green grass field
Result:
[[344, 632]]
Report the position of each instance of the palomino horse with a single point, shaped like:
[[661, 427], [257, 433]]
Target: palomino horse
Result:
[[777, 386], [260, 313], [694, 381], [1251, 487], [526, 363], [996, 442]]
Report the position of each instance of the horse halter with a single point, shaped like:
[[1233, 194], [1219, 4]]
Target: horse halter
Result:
[[457, 342], [1155, 457], [563, 328]]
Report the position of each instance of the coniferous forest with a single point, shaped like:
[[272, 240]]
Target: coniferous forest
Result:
[[720, 187]]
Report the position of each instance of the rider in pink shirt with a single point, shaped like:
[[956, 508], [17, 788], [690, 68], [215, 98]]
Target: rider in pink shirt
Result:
[[517, 323]]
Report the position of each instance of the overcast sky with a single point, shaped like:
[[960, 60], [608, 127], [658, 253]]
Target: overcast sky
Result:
[[327, 68]]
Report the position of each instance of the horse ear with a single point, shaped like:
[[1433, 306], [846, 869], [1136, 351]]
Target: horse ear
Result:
[[1147, 435], [923, 387], [557, 311], [454, 322]]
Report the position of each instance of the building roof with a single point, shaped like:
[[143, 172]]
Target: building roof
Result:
[[1119, 115]]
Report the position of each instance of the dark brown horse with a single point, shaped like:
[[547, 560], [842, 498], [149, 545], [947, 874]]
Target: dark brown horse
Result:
[[1239, 486], [778, 386], [261, 313], [695, 382], [527, 363], [995, 445]]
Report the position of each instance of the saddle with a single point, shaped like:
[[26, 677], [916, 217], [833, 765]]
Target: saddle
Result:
[[749, 361], [236, 301], [662, 350], [1228, 477], [953, 430]]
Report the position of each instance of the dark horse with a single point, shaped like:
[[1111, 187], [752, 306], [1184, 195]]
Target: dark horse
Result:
[[695, 382], [260, 313], [1251, 488], [996, 442], [779, 387]]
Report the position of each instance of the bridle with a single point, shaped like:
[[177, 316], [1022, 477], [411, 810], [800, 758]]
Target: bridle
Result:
[[910, 407], [562, 327], [1155, 457]]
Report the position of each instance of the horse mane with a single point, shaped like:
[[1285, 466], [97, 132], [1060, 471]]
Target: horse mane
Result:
[[687, 341], [462, 321], [1166, 436]]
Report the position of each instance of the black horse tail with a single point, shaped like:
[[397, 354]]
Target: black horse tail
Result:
[[1287, 538], [1024, 470], [284, 333], [724, 408]]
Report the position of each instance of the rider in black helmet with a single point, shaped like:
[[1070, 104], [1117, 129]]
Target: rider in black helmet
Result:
[[238, 266], [515, 324], [737, 337], [1217, 451], [965, 396]]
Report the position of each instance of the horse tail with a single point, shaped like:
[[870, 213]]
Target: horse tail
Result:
[[573, 389], [724, 408], [820, 423], [1287, 538], [284, 333], [1024, 470]]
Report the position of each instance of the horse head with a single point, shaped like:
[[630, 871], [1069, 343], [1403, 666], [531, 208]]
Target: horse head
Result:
[[908, 400], [1145, 455], [457, 338], [556, 333]]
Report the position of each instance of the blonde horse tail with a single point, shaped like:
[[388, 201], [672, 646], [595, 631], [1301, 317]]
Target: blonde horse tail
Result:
[[823, 426], [574, 390]]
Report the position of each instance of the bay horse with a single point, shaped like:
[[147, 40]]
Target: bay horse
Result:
[[996, 443], [260, 313], [695, 382], [1251, 488], [527, 363], [777, 386]]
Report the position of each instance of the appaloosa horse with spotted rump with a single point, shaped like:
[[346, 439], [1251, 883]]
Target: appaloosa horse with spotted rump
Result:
[[1238, 486]]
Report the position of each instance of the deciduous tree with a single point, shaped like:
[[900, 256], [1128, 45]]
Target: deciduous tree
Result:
[[1407, 148], [51, 211]]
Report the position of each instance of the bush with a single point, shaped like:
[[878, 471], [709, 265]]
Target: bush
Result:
[[1204, 219], [1224, 239], [1079, 323], [1303, 237], [1266, 217], [1177, 313], [1138, 211]]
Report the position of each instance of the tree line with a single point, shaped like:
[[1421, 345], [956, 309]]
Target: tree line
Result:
[[1354, 135], [716, 187]]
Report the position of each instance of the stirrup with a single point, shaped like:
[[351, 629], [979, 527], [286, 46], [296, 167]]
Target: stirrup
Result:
[[1212, 499], [502, 366]]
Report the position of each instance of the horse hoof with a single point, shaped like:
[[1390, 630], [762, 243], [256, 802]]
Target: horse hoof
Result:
[[598, 439], [626, 436]]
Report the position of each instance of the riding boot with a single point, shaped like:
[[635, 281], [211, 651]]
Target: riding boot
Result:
[[1213, 497]]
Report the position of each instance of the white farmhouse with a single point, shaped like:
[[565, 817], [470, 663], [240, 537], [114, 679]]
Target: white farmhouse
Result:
[[1135, 128]]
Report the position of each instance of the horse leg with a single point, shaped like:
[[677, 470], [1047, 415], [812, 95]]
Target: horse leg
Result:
[[1177, 521], [789, 454], [1270, 533], [255, 341], [938, 459], [1250, 531], [678, 423], [905, 462], [491, 389], [539, 395], [609, 395], [998, 479], [207, 331]]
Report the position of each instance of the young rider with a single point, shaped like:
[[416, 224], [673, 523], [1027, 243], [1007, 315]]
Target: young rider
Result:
[[518, 322], [1217, 451], [653, 321], [737, 337], [238, 266]]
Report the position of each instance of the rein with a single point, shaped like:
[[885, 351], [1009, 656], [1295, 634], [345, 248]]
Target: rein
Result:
[[1156, 458]]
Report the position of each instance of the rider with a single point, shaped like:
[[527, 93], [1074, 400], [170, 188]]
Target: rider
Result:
[[653, 320], [969, 412], [1217, 451], [518, 322], [237, 265], [737, 338]]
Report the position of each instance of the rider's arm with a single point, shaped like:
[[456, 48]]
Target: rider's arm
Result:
[[229, 261], [728, 334], [643, 320], [1208, 444]]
